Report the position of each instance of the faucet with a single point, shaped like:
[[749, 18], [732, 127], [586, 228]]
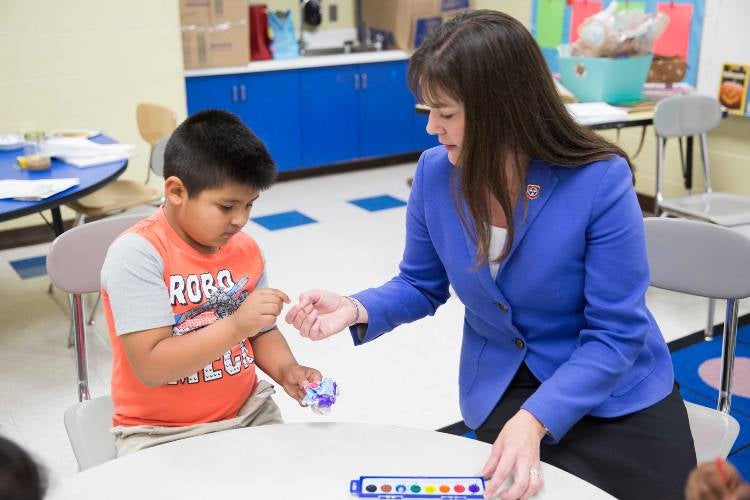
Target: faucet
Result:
[[301, 40]]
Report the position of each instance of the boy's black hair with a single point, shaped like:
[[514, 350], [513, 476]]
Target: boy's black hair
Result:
[[20, 477], [214, 147]]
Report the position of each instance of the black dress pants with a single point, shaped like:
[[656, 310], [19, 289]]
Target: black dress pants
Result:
[[645, 455]]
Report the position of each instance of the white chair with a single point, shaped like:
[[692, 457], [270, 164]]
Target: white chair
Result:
[[688, 116], [714, 432], [706, 260], [88, 424], [74, 263]]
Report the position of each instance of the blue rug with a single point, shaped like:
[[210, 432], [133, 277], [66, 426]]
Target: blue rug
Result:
[[687, 361]]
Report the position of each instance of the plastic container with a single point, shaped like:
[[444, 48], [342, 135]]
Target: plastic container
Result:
[[612, 80]]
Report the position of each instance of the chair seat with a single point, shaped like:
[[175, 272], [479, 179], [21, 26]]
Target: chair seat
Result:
[[115, 197], [724, 209]]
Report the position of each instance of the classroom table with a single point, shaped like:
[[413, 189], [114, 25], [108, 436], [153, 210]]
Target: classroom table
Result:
[[293, 461], [91, 179]]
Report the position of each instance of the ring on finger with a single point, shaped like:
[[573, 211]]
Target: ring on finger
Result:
[[535, 473]]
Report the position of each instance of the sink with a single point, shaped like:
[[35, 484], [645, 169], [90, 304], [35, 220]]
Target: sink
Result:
[[329, 51]]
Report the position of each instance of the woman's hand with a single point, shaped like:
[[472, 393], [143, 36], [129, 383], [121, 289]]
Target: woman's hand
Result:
[[516, 450], [321, 313]]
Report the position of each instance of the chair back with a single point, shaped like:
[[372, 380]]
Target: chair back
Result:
[[686, 115], [154, 121], [76, 257], [157, 156], [698, 258], [87, 424]]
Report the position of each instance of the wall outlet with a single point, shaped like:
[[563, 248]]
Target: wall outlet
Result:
[[333, 13]]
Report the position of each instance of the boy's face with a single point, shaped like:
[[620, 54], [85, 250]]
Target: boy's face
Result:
[[208, 220]]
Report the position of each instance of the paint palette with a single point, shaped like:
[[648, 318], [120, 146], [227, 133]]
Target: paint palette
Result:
[[446, 487]]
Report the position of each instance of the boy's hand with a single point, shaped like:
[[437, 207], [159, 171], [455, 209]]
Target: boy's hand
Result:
[[295, 377], [321, 313], [258, 311]]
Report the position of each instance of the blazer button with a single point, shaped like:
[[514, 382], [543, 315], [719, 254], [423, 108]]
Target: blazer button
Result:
[[503, 308], [519, 343]]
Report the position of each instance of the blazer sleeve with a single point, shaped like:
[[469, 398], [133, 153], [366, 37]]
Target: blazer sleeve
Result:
[[616, 318], [422, 283]]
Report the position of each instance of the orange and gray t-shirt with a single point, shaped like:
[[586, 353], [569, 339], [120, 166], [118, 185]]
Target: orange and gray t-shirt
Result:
[[151, 278]]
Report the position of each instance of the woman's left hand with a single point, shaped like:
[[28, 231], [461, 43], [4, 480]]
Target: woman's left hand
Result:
[[516, 450]]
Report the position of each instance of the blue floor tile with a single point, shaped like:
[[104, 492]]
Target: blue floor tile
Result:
[[31, 267], [283, 220], [375, 203]]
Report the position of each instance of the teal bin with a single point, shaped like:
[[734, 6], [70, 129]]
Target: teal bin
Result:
[[608, 79]]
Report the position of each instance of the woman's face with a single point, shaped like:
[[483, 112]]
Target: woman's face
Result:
[[447, 123]]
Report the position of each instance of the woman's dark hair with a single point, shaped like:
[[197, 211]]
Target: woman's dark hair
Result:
[[212, 148], [20, 477], [490, 63]]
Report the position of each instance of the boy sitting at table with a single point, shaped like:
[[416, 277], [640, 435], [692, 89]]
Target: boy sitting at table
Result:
[[186, 298]]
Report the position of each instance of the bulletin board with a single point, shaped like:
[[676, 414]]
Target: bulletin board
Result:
[[554, 22]]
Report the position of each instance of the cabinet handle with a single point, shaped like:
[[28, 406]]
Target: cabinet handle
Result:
[[242, 92], [364, 81], [234, 93], [356, 81]]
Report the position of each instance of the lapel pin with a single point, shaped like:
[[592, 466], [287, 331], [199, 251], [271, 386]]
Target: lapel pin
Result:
[[533, 191]]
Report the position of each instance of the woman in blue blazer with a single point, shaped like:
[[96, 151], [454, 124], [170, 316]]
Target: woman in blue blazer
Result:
[[534, 222]]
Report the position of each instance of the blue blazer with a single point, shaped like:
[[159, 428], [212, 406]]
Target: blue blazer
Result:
[[569, 299]]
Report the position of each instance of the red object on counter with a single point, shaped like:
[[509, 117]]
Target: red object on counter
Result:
[[259, 39]]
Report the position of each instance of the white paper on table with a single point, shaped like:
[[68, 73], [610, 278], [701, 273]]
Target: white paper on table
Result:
[[590, 113], [32, 190], [81, 152]]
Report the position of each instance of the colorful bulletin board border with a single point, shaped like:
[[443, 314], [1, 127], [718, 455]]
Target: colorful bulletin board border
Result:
[[554, 28]]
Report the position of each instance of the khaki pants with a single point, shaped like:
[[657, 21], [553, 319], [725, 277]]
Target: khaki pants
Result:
[[259, 409]]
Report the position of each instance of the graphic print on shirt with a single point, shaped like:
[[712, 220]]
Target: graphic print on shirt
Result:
[[222, 298]]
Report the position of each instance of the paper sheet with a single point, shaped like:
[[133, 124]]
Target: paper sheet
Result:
[[590, 113], [29, 190], [549, 22], [581, 9], [676, 37]]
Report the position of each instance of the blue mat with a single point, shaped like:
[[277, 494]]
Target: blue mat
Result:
[[686, 362]]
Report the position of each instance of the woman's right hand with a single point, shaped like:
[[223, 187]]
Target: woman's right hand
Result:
[[320, 314]]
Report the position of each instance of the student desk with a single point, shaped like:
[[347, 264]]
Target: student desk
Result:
[[313, 461], [91, 179]]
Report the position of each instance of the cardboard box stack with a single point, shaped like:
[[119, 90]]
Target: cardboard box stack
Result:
[[214, 33], [406, 23]]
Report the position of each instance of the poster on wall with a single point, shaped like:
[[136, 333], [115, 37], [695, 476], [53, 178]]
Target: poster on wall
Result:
[[733, 88]]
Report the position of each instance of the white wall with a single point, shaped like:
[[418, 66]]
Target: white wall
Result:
[[87, 64]]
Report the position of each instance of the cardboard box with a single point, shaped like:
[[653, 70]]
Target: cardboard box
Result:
[[406, 23], [214, 33]]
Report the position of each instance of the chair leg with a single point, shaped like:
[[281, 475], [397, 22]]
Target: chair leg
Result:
[[709, 332], [93, 309], [659, 197], [728, 346], [79, 315]]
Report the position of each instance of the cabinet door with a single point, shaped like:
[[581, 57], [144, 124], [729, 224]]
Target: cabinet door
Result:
[[386, 110], [270, 107], [329, 115], [212, 92]]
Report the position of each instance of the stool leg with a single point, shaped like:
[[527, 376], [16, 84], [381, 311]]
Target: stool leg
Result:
[[93, 309], [709, 332], [728, 346]]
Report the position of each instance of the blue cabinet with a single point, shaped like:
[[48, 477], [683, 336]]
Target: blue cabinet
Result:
[[266, 102], [328, 99], [386, 110], [320, 116]]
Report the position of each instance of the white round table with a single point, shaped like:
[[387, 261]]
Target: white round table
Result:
[[293, 461]]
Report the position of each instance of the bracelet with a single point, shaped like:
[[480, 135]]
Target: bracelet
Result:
[[356, 309]]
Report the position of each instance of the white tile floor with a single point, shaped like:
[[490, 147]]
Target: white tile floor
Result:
[[406, 378]]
